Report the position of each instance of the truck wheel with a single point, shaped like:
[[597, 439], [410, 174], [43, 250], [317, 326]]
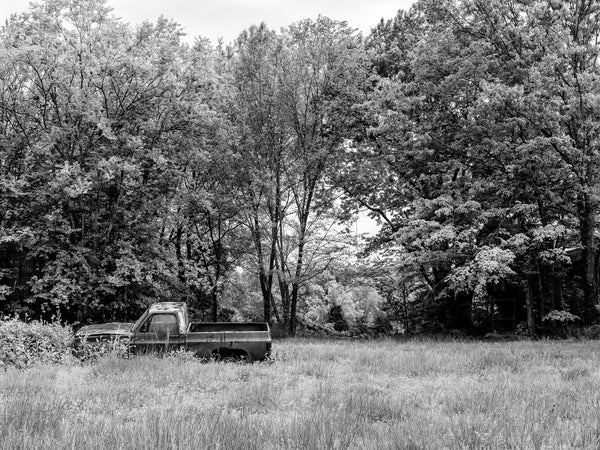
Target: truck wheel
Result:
[[231, 355]]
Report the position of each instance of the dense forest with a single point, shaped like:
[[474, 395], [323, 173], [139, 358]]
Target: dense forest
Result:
[[135, 168]]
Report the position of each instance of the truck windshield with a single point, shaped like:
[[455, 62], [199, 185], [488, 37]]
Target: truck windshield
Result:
[[138, 322]]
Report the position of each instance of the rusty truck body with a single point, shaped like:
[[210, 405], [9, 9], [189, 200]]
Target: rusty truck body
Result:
[[165, 327]]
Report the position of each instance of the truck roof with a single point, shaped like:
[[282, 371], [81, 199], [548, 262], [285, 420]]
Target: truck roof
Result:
[[168, 307]]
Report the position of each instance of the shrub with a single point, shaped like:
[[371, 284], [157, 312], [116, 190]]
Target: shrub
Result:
[[116, 347], [562, 323], [592, 332], [561, 317], [23, 344]]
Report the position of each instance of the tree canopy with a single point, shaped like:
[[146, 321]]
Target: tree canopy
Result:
[[135, 167]]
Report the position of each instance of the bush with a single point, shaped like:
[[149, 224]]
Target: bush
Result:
[[23, 344], [562, 323], [561, 317], [91, 352], [591, 332]]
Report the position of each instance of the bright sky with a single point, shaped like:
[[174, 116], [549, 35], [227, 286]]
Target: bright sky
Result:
[[227, 18]]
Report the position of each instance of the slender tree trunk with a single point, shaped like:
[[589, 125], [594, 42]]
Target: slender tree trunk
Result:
[[283, 289], [263, 278], [529, 307], [275, 217], [297, 275], [272, 258], [304, 207], [276, 229], [294, 305], [405, 309], [587, 227], [215, 303], [542, 298], [264, 283], [285, 301], [552, 291], [275, 310], [284, 286], [178, 254], [264, 287], [216, 288]]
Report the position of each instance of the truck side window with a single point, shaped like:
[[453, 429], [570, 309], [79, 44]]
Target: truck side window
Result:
[[160, 324], [163, 324]]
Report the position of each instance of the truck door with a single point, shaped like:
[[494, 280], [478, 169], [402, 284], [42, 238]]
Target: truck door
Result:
[[159, 333]]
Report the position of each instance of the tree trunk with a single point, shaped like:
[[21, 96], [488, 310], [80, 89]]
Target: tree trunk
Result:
[[293, 307], [587, 227], [275, 311], [215, 231], [528, 305], [542, 298], [283, 289], [297, 275], [262, 275], [215, 305], [264, 287], [178, 254], [405, 309], [272, 258]]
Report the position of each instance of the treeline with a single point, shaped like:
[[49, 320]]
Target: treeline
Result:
[[136, 168]]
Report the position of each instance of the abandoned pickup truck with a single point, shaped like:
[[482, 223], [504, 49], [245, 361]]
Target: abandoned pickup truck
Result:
[[165, 327]]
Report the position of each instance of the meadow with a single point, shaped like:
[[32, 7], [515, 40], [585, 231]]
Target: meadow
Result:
[[315, 394]]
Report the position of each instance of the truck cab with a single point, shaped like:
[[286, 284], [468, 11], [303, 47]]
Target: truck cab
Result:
[[163, 327]]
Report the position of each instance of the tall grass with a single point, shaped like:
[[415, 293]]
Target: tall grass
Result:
[[316, 395]]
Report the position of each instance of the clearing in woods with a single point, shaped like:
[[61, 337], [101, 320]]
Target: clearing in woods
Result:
[[316, 395]]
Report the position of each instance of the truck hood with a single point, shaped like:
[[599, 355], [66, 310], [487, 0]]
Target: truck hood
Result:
[[113, 328]]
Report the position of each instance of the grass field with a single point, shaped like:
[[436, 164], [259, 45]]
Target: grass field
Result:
[[316, 395]]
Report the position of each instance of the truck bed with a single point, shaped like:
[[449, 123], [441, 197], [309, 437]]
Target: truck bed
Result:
[[219, 327], [230, 338]]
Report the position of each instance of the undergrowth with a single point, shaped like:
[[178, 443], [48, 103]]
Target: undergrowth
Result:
[[23, 344]]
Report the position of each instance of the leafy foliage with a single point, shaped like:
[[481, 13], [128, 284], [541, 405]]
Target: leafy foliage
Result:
[[558, 317], [23, 344], [136, 168]]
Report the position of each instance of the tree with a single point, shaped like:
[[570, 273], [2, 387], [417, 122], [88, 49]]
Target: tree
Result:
[[262, 139], [92, 113], [292, 94], [323, 78], [547, 102], [464, 159]]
